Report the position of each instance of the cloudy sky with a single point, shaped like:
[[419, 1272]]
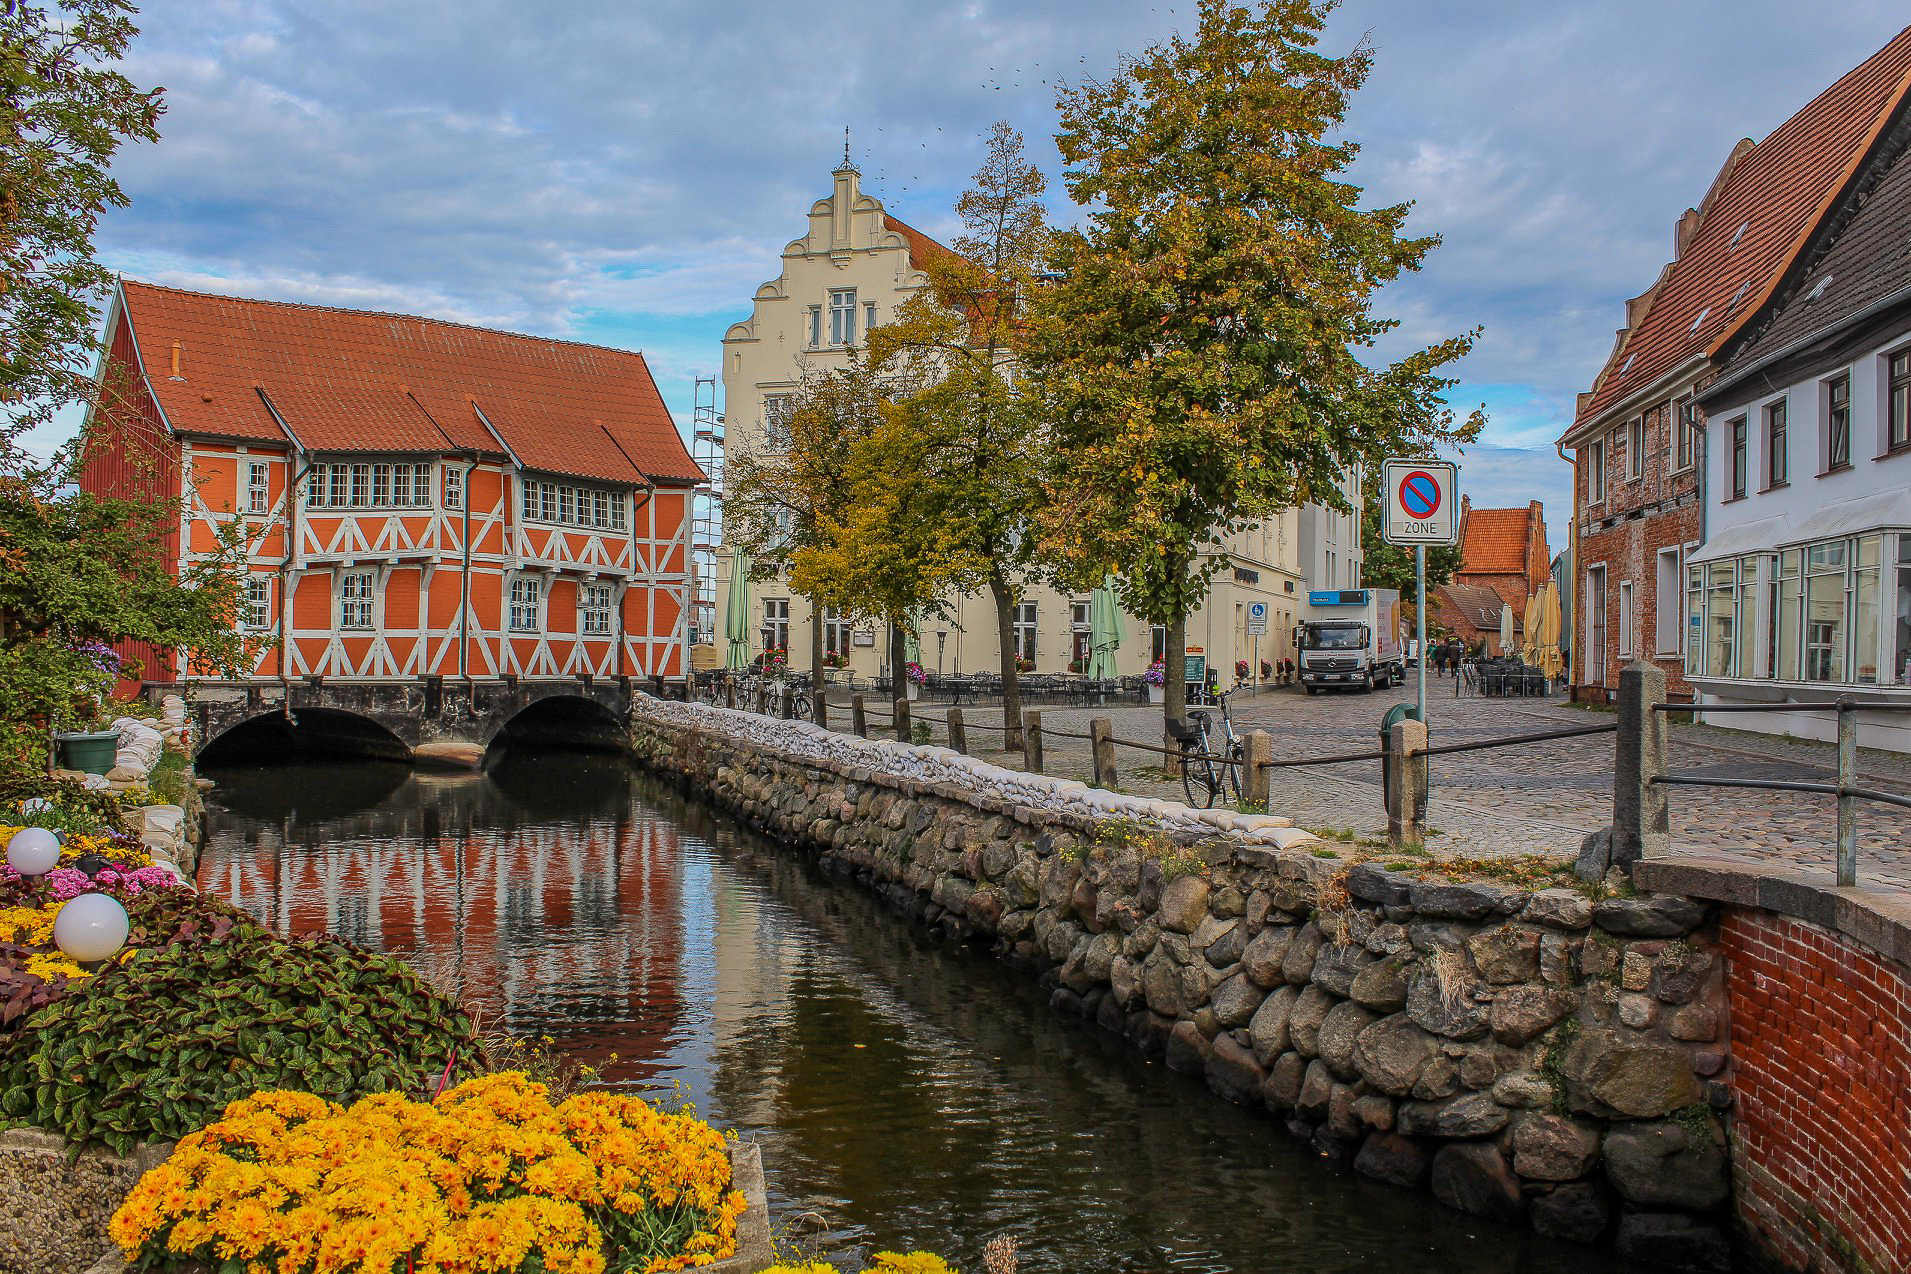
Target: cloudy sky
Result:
[[627, 173]]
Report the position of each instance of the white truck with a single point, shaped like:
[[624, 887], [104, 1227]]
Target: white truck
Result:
[[1351, 638]]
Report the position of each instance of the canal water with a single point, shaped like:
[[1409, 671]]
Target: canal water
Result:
[[907, 1093]]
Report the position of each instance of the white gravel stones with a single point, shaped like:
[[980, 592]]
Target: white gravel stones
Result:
[[805, 739]]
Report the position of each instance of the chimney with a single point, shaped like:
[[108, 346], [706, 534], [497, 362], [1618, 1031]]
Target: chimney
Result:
[[176, 374]]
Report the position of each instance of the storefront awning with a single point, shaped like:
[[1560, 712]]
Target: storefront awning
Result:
[[1760, 536], [1883, 511]]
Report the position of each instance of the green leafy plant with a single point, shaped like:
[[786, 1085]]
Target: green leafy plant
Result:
[[155, 1047]]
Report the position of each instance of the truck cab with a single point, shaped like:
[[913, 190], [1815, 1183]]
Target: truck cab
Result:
[[1350, 639]]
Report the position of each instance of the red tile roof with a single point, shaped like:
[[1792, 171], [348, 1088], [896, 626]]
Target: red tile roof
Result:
[[1494, 541], [1776, 192], [921, 247], [351, 380]]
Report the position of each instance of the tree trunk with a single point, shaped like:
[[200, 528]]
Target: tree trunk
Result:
[[816, 660], [898, 676], [1174, 688], [1011, 676]]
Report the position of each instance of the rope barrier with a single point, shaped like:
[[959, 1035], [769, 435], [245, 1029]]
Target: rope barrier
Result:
[[1449, 748]]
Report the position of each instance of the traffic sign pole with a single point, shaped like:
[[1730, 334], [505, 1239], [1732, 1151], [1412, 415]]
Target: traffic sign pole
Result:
[[1420, 622]]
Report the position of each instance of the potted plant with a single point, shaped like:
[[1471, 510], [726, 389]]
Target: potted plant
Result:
[[1025, 665], [1078, 665], [913, 679], [1156, 679]]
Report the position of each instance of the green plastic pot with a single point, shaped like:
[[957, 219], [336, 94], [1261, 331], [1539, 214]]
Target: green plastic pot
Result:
[[89, 753]]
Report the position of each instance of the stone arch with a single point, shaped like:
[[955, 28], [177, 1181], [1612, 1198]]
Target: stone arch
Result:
[[302, 733], [564, 721]]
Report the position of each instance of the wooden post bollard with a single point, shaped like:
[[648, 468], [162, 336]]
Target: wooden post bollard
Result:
[[1407, 784], [1032, 740], [958, 735], [1101, 747], [819, 706], [729, 692], [1256, 751], [858, 720], [786, 707], [901, 707]]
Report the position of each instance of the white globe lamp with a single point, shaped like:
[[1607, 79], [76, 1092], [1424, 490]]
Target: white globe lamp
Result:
[[33, 851], [91, 927]]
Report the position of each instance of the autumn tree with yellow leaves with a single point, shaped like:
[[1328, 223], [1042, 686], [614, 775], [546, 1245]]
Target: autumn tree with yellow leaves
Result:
[[1204, 349]]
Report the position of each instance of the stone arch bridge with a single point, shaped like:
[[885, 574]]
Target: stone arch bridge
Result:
[[425, 718]]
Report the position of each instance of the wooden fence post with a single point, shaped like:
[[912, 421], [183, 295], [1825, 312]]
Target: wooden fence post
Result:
[[901, 707], [729, 692], [819, 705], [1101, 746], [1032, 740], [858, 722], [1257, 749], [958, 736], [786, 701]]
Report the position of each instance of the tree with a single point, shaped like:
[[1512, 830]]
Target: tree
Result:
[[1200, 349], [64, 111], [1385, 565], [980, 441]]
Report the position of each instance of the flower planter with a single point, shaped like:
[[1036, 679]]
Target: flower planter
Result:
[[911, 691], [1157, 694], [91, 753]]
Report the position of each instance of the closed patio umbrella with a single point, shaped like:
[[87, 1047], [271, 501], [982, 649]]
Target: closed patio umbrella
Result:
[[1506, 628], [912, 638], [1104, 630], [736, 611], [1529, 630], [1550, 661]]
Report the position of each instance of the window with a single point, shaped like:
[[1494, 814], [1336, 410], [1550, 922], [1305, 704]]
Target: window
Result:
[[842, 316], [618, 507], [1625, 619], [454, 488], [1838, 423], [1736, 457], [776, 423], [869, 317], [255, 610], [1667, 610], [355, 599], [1024, 634], [1081, 635], [1788, 598], [1636, 448], [816, 326], [1593, 667], [567, 504], [1157, 644], [1825, 625], [594, 610], [1721, 598], [368, 486], [1901, 659], [1776, 466], [835, 632], [526, 593], [1684, 434], [1595, 471], [776, 623], [258, 490], [547, 501], [1898, 401]]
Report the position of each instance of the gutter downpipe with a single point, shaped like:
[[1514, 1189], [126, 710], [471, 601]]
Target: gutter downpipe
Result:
[[291, 548]]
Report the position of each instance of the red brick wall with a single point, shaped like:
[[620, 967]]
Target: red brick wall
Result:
[[1821, 1132]]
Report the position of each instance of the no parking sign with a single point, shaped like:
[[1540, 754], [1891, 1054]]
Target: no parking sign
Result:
[[1420, 499]]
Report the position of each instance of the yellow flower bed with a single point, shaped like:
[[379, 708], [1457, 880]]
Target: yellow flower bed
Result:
[[489, 1177], [33, 927], [77, 847]]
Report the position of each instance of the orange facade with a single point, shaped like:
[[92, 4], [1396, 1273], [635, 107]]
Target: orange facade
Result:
[[399, 530]]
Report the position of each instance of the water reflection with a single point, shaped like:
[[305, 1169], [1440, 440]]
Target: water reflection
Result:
[[909, 1093]]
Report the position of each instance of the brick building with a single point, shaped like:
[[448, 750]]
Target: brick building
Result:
[[1504, 561], [1637, 435]]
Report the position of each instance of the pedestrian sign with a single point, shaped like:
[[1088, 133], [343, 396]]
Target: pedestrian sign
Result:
[[1420, 499], [1257, 619]]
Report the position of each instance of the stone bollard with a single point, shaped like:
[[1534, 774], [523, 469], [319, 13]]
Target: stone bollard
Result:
[[1256, 750], [1407, 784], [858, 721], [1641, 822], [958, 735], [901, 715], [1101, 747], [1032, 740]]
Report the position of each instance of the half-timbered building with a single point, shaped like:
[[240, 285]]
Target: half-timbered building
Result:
[[416, 497]]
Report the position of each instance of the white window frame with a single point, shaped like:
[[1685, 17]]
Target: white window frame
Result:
[[836, 632], [258, 486], [527, 598], [255, 604], [357, 596], [1625, 619], [816, 327], [1636, 448], [842, 316], [1024, 630], [1668, 604], [1685, 448], [594, 609], [1833, 462], [1596, 471], [776, 424], [1592, 669], [454, 487], [776, 624]]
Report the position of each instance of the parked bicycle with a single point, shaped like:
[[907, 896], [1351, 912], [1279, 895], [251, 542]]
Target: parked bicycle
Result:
[[1212, 761]]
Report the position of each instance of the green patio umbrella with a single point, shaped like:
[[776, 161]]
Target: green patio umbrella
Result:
[[736, 614], [1104, 630]]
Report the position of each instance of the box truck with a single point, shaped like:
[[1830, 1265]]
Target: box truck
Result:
[[1351, 638]]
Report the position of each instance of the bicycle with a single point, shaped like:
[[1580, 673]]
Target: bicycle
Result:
[[1210, 767]]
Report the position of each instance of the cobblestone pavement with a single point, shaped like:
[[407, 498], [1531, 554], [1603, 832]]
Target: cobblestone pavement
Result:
[[1527, 798]]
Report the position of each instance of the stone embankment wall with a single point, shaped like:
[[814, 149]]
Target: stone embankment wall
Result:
[[1543, 1058]]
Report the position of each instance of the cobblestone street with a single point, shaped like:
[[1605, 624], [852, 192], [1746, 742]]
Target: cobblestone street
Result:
[[1528, 798]]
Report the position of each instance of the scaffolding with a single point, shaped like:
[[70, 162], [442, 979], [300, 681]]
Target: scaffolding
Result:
[[706, 510]]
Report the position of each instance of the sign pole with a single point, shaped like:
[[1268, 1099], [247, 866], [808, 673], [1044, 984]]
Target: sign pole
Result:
[[1420, 623]]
